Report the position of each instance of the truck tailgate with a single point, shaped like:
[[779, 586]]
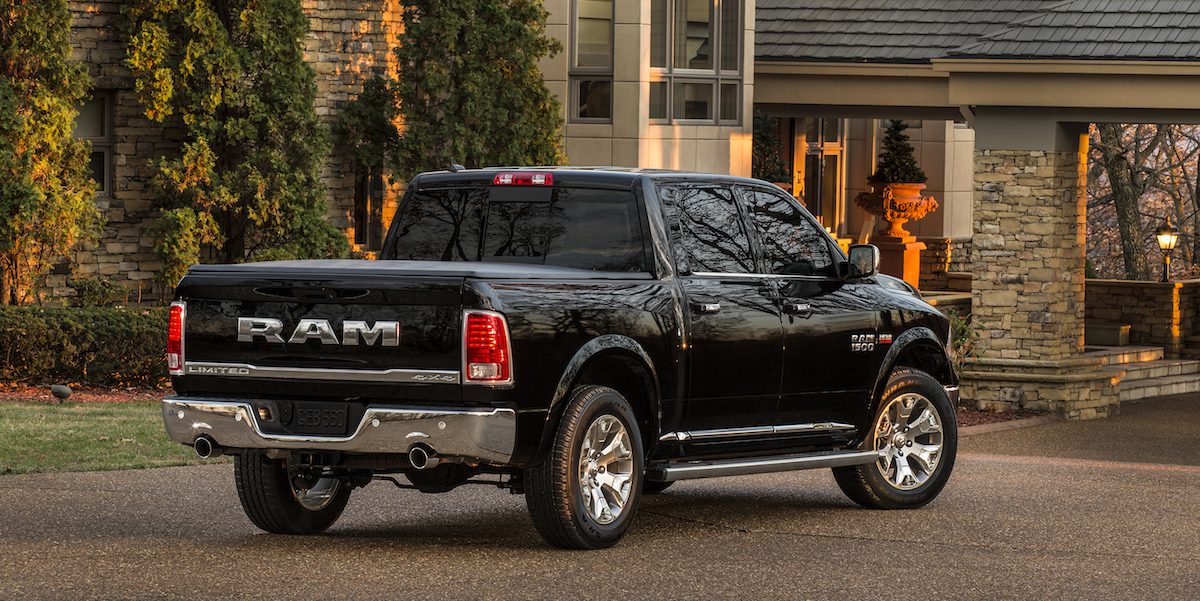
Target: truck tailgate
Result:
[[314, 330]]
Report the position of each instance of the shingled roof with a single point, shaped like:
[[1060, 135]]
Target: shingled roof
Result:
[[1098, 29], [918, 31]]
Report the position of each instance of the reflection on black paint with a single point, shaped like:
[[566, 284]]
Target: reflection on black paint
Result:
[[792, 243], [580, 228], [712, 233]]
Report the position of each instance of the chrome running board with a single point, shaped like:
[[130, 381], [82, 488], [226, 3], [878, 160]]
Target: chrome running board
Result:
[[687, 470]]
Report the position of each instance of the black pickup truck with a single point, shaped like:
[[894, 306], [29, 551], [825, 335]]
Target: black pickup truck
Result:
[[581, 336]]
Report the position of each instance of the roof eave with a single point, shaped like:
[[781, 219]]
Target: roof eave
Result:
[[1058, 66]]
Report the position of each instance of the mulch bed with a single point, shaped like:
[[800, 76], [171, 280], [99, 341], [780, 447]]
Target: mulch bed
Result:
[[25, 393], [974, 417]]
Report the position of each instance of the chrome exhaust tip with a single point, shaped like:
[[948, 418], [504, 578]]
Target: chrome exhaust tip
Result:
[[422, 457], [206, 447]]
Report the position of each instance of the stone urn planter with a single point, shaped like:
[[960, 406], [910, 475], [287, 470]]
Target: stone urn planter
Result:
[[897, 196], [896, 204]]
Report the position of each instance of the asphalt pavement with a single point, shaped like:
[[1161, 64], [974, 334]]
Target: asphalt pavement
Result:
[[1028, 514]]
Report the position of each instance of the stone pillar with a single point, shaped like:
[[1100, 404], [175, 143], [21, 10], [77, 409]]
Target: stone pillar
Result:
[[1027, 288]]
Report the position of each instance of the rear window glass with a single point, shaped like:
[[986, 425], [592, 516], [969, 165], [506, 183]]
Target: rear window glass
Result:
[[581, 228]]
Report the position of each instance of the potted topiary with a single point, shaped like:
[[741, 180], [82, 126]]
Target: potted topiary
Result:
[[897, 185]]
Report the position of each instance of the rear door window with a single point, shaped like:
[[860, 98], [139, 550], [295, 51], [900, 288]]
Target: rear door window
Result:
[[711, 229]]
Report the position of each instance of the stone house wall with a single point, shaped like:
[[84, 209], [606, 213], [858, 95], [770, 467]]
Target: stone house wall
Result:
[[1160, 313], [349, 41], [941, 257]]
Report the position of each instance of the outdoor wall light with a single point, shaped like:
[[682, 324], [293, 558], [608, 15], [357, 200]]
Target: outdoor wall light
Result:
[[1168, 237]]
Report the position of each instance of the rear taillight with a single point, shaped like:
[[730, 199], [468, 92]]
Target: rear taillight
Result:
[[523, 178], [175, 338], [486, 350]]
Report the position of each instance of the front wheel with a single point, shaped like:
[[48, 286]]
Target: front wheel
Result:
[[916, 435], [585, 493], [282, 504]]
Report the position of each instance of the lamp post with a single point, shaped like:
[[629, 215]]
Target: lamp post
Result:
[[1168, 237]]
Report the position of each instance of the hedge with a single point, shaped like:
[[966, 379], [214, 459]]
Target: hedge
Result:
[[97, 346]]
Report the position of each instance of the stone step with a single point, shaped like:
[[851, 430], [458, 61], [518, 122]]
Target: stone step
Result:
[[1154, 387], [1156, 369], [1122, 355], [1190, 353]]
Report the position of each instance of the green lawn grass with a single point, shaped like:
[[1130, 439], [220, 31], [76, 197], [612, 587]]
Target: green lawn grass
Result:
[[73, 437]]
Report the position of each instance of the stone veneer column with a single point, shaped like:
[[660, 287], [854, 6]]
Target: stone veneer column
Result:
[[1027, 288], [1028, 254]]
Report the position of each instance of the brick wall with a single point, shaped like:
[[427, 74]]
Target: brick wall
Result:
[[349, 41], [1160, 313]]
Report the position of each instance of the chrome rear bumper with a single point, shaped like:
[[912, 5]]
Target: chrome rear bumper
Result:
[[487, 434]]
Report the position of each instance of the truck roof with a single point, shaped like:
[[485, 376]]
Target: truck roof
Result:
[[618, 176]]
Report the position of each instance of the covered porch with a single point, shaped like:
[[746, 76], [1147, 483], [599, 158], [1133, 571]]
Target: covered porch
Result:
[[1029, 104]]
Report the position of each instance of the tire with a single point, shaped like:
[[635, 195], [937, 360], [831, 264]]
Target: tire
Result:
[[653, 488], [884, 484], [555, 491], [270, 501]]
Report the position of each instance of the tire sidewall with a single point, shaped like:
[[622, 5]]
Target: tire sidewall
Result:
[[610, 402], [927, 386]]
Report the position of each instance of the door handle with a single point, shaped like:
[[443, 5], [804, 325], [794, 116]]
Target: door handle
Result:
[[798, 309], [706, 307]]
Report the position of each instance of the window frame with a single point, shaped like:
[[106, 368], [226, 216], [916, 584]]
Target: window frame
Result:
[[716, 75], [576, 73], [103, 143]]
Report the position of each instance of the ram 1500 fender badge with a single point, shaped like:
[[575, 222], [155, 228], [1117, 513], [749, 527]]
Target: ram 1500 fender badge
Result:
[[862, 343], [387, 333]]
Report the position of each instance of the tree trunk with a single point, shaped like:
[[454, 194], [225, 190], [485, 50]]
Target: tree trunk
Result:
[[5, 288], [1125, 197]]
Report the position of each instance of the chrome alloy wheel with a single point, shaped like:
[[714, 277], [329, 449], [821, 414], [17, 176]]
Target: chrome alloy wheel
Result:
[[605, 469], [319, 495], [908, 437]]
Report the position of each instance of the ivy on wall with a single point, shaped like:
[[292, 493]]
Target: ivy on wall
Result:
[[45, 191]]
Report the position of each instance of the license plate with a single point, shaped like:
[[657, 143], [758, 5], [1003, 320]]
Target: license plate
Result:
[[320, 418]]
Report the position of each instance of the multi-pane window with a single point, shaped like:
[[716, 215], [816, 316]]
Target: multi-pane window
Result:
[[368, 207], [822, 167], [592, 61], [696, 60], [94, 124]]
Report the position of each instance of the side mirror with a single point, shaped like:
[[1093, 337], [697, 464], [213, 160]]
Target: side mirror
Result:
[[864, 260]]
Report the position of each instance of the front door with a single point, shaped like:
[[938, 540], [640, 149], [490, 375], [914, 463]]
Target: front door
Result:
[[829, 324], [734, 341]]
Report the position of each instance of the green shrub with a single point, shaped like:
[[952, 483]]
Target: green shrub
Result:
[[963, 337], [98, 346], [97, 292]]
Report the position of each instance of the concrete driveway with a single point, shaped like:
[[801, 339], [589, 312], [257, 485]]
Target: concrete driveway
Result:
[[1065, 520]]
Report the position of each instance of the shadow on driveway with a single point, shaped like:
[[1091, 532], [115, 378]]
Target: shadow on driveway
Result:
[[1161, 430]]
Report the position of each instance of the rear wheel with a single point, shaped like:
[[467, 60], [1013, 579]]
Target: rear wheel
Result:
[[916, 435], [585, 493], [282, 504]]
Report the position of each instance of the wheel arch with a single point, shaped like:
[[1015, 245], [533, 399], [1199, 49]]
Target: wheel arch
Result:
[[918, 348], [620, 363]]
